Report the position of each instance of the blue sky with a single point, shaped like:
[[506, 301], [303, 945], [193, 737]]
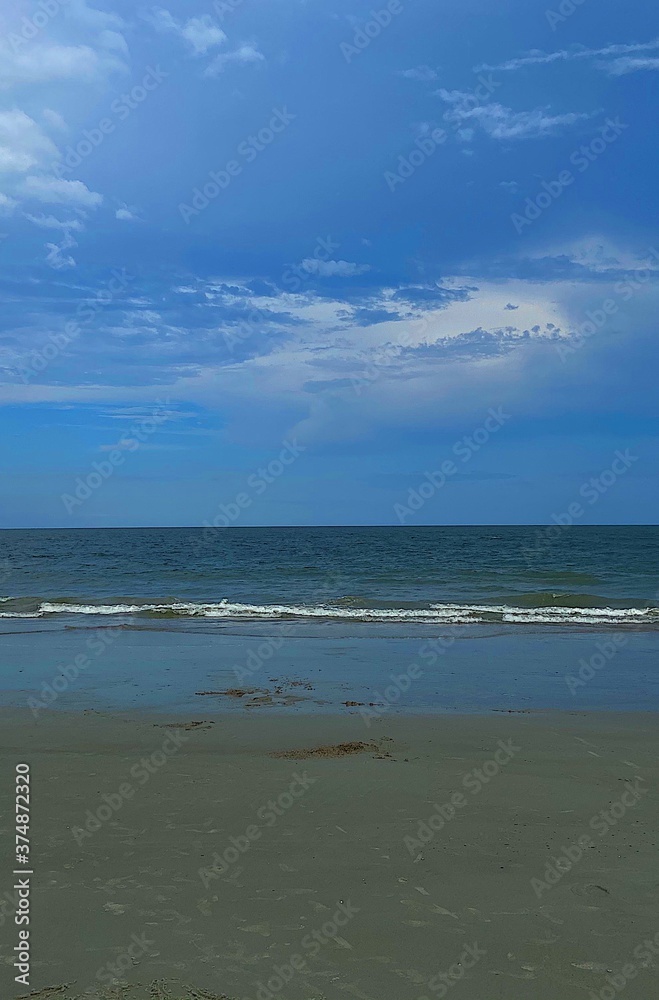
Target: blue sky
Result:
[[296, 237]]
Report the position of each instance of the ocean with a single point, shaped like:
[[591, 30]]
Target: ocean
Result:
[[427, 575], [518, 609]]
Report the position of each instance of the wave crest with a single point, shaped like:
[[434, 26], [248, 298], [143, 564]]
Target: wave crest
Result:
[[434, 614]]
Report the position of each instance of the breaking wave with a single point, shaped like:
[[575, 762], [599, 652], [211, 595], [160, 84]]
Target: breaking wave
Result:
[[346, 610]]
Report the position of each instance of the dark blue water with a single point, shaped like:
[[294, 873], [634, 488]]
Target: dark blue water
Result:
[[510, 618], [428, 575]]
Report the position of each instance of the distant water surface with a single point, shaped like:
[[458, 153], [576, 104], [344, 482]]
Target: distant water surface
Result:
[[517, 576]]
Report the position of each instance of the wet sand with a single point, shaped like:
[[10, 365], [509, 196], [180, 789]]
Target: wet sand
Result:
[[252, 856]]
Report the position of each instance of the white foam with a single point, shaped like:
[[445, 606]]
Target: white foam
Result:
[[453, 614], [20, 614]]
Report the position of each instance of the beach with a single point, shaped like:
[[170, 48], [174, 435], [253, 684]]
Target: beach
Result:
[[329, 554], [202, 857], [279, 764]]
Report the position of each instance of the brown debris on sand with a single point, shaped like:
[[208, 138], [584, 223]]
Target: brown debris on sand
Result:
[[233, 692], [46, 993], [259, 697], [277, 699], [158, 989], [184, 725], [335, 750]]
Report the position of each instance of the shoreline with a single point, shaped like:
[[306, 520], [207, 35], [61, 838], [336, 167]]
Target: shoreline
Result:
[[318, 670]]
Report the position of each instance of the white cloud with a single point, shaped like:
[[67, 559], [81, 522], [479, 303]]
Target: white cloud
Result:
[[333, 268], [538, 58], [200, 33], [245, 54], [55, 191], [630, 64], [406, 361], [500, 122], [90, 17], [57, 259], [50, 222], [27, 156], [22, 143], [14, 161], [418, 368], [125, 214], [82, 44], [599, 254], [161, 20], [55, 119], [46, 63], [96, 49], [422, 73], [7, 204]]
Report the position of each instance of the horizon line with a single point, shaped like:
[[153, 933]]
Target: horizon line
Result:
[[262, 527]]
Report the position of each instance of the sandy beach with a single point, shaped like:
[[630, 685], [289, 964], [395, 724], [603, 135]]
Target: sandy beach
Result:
[[501, 855]]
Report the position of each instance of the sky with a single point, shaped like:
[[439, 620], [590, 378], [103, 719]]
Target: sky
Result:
[[303, 262]]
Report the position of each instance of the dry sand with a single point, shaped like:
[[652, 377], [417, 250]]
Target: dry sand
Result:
[[325, 831]]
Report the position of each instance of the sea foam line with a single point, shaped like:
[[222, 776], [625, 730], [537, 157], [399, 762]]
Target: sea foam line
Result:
[[457, 614]]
